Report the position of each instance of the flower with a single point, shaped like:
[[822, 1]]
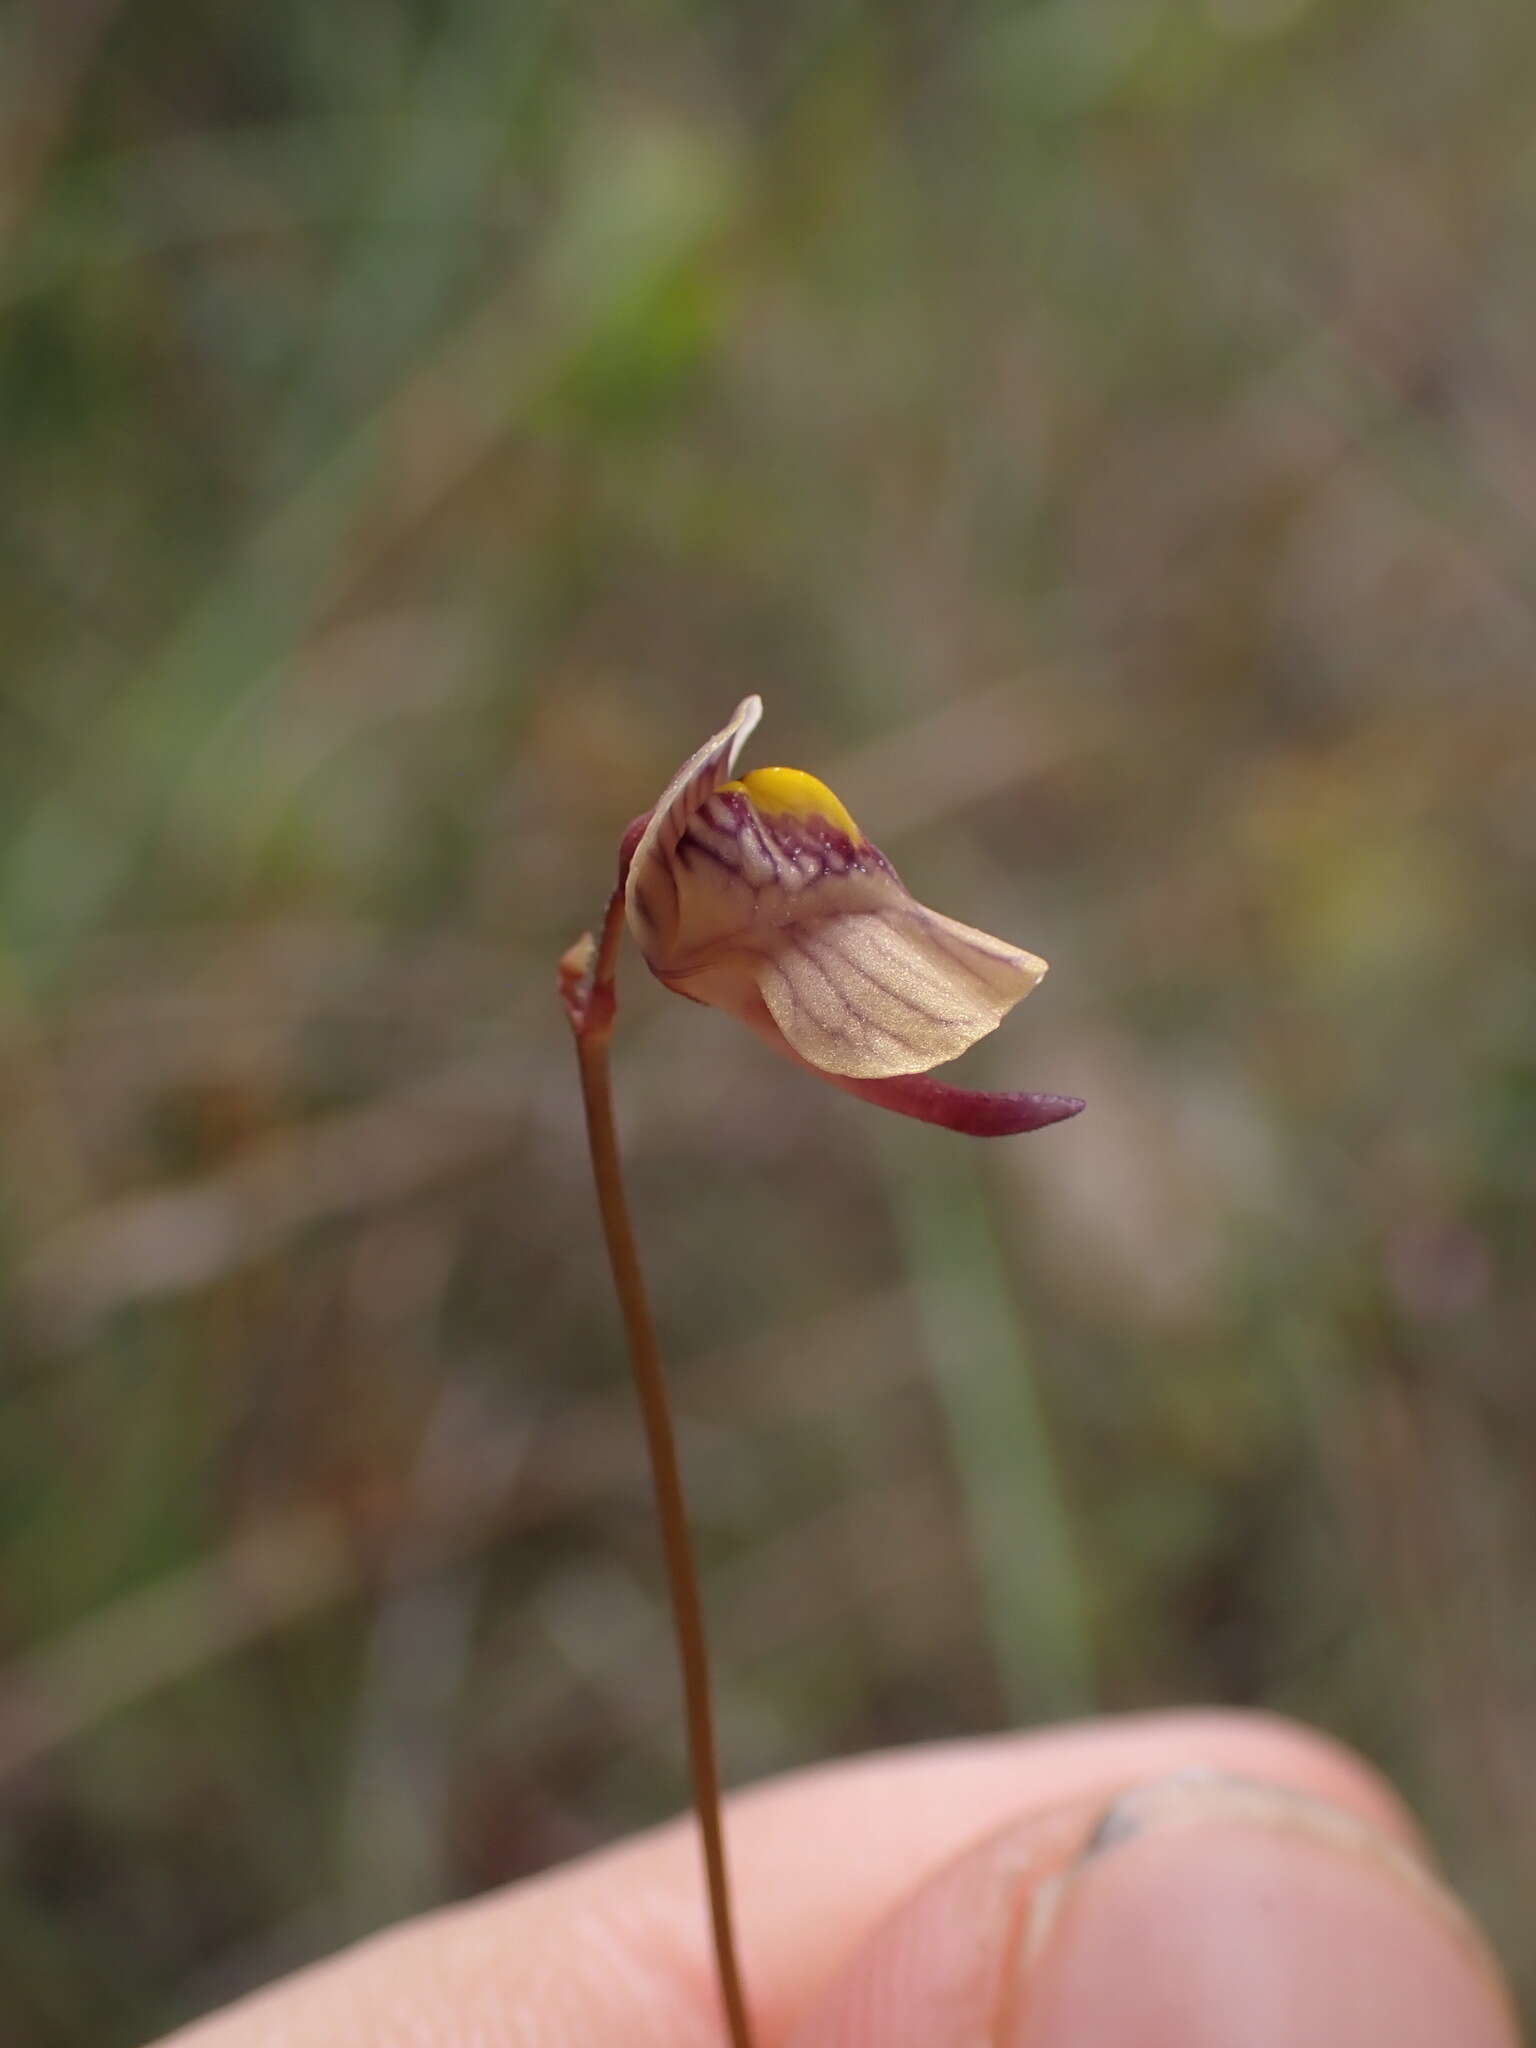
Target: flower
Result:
[[761, 896]]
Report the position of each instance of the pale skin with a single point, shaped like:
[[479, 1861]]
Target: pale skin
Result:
[[1250, 1883]]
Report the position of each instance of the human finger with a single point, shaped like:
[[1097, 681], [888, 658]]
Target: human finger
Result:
[[615, 1948], [1201, 1910]]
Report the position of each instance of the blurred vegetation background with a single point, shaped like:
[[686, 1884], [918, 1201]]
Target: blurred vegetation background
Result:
[[1105, 433]]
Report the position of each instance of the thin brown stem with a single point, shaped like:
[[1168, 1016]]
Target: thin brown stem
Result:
[[586, 987]]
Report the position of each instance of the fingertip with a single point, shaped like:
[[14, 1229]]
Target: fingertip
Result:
[[1209, 1910], [1193, 1912]]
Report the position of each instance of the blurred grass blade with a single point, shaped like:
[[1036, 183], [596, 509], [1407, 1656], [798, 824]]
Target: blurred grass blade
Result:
[[979, 1351]]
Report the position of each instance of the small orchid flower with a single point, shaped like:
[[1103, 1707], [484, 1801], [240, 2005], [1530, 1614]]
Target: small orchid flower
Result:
[[761, 896]]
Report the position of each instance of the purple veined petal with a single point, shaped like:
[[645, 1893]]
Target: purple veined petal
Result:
[[976, 1112], [890, 989], [650, 886], [745, 877], [859, 977]]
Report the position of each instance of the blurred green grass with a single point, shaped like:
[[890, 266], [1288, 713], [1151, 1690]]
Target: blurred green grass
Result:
[[1105, 436]]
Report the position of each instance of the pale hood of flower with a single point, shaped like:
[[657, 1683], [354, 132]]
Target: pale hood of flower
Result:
[[761, 896]]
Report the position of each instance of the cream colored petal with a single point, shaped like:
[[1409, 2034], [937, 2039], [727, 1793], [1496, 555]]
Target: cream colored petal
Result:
[[762, 897], [893, 990], [650, 889]]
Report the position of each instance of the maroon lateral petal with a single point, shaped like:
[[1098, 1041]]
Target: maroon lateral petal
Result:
[[978, 1112]]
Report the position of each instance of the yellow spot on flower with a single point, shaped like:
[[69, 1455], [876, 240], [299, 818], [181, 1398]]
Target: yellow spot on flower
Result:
[[779, 792]]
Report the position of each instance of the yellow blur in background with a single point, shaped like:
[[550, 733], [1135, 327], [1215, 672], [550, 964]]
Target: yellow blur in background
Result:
[[1105, 434]]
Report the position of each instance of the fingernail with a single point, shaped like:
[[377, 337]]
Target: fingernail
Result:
[[1210, 1912]]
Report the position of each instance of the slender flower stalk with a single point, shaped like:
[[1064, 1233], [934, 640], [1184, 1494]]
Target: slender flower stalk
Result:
[[586, 989], [760, 896]]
